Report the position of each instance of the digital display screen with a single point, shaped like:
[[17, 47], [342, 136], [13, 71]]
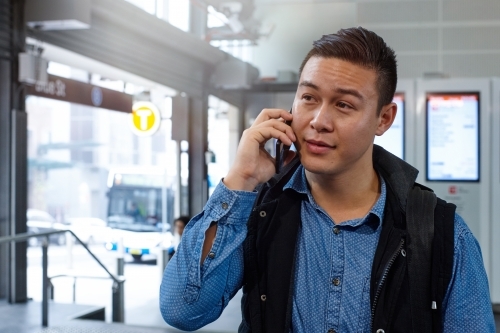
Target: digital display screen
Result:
[[452, 137], [393, 140]]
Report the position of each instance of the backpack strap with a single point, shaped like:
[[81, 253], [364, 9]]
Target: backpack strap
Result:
[[252, 313], [420, 226], [442, 258], [430, 225]]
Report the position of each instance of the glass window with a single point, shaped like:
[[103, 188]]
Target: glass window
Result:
[[222, 139], [175, 12], [178, 14], [73, 148], [146, 5]]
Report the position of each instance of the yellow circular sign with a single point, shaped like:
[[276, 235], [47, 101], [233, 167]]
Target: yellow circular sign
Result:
[[146, 118]]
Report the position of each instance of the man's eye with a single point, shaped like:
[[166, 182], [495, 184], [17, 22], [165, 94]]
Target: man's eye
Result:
[[343, 105], [307, 97]]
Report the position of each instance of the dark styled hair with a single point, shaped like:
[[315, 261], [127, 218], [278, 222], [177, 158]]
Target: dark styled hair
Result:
[[184, 219], [365, 48]]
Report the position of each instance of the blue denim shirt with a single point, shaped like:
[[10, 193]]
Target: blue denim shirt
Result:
[[332, 289]]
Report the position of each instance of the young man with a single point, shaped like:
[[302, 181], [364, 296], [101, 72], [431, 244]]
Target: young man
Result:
[[179, 226], [331, 245]]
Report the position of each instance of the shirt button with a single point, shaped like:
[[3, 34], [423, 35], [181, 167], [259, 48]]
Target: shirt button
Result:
[[211, 255], [331, 330], [336, 230], [224, 205], [336, 281], [380, 330]]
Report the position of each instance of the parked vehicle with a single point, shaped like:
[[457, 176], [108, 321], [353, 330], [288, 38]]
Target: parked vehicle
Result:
[[41, 221], [90, 230], [135, 211]]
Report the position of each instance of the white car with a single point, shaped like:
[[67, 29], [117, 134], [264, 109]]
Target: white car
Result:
[[90, 230], [138, 244], [40, 221]]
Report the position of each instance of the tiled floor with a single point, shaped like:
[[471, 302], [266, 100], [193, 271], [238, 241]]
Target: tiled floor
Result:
[[26, 318]]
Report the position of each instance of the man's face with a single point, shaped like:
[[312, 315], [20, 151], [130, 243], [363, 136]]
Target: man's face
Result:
[[179, 227], [335, 116]]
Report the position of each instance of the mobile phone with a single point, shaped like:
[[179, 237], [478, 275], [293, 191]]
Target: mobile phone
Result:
[[281, 150]]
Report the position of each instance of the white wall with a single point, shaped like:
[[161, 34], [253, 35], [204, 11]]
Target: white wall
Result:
[[457, 37], [297, 25]]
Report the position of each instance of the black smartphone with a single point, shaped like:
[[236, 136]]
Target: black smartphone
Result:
[[281, 150]]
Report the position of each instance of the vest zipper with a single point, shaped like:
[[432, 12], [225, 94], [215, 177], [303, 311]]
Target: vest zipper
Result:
[[384, 277]]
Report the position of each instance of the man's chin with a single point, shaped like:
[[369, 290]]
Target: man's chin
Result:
[[320, 168]]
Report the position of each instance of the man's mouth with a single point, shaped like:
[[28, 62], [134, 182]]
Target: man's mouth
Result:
[[319, 143], [318, 147]]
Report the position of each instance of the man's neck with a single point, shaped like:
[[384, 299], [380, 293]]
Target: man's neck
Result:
[[348, 195]]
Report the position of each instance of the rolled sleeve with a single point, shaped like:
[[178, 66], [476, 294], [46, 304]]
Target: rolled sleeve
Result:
[[191, 295]]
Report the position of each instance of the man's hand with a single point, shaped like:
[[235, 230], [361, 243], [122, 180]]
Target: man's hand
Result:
[[253, 164]]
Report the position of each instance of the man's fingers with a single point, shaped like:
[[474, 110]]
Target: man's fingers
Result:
[[266, 133], [267, 114], [279, 125]]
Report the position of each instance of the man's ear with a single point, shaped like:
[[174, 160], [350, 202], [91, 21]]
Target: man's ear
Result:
[[386, 118]]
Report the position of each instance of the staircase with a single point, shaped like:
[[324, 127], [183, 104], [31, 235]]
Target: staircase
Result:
[[63, 318]]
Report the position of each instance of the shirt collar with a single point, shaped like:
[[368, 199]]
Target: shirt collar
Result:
[[298, 183]]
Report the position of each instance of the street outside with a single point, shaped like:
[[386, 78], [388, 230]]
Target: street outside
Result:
[[141, 287]]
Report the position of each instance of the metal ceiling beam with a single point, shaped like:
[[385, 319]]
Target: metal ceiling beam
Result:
[[128, 38]]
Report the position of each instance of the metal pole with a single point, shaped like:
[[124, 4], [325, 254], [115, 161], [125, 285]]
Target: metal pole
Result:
[[45, 284], [118, 302], [74, 289], [164, 216], [51, 288]]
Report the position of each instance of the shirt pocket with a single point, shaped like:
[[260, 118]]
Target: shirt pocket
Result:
[[364, 310]]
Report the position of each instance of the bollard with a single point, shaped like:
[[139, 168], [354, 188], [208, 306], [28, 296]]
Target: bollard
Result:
[[74, 290], [120, 266]]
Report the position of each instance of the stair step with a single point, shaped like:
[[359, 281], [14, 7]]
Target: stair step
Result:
[[27, 317], [92, 326], [65, 318]]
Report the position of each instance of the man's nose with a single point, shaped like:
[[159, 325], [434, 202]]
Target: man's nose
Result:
[[323, 119]]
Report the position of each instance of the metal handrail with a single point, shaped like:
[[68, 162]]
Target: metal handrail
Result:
[[74, 277], [118, 289], [78, 277], [26, 236]]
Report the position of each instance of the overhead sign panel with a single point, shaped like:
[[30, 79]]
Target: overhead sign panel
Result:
[[73, 91], [452, 128]]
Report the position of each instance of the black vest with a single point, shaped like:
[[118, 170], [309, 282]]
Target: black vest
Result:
[[399, 302]]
